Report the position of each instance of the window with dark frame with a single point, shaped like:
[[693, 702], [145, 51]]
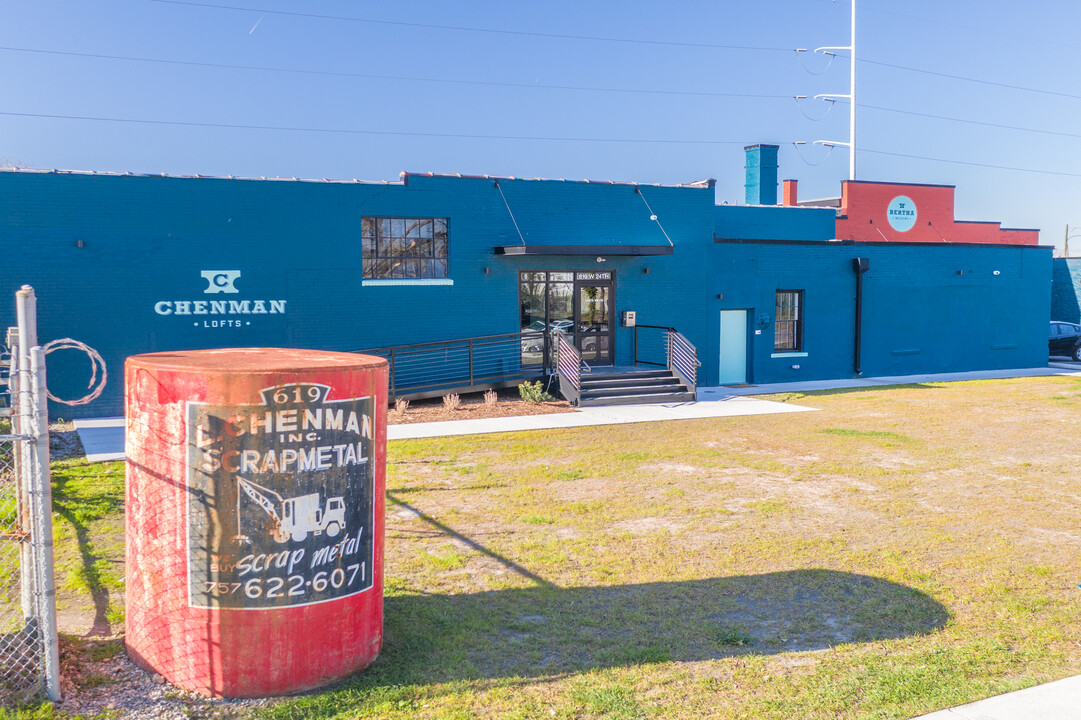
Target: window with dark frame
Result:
[[788, 321], [404, 248]]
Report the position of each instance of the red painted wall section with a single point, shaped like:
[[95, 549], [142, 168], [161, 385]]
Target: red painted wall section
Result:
[[864, 216]]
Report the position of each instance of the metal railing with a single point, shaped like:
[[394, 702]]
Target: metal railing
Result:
[[666, 347], [683, 360], [432, 369], [29, 661], [568, 366]]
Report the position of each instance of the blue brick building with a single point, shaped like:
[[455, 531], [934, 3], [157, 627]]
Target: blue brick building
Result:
[[131, 264]]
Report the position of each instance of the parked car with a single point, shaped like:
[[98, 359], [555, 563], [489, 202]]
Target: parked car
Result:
[[1065, 339], [533, 337]]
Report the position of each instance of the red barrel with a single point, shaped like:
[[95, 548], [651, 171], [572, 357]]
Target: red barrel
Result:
[[255, 515]]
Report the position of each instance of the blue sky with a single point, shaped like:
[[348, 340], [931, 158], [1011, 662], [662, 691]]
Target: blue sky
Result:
[[604, 90]]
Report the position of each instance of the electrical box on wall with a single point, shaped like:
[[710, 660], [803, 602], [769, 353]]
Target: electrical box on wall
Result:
[[627, 318]]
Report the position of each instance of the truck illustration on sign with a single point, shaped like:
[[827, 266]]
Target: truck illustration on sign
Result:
[[293, 518]]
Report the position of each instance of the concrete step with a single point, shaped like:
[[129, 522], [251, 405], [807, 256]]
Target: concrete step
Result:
[[652, 389], [601, 375], [670, 397], [620, 382]]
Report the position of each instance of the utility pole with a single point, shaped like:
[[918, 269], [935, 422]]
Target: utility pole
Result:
[[1066, 244], [851, 97]]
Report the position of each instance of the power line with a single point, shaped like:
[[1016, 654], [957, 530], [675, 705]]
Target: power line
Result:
[[464, 28], [969, 79], [353, 131], [369, 76], [971, 122], [972, 164], [594, 38], [936, 21], [486, 83]]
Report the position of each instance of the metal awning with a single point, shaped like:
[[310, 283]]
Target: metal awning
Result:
[[597, 250]]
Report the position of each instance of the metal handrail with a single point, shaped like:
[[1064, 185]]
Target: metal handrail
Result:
[[637, 359], [568, 367], [463, 364], [683, 360], [681, 356]]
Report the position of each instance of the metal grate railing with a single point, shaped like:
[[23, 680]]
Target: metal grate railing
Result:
[[434, 368], [683, 359], [568, 366]]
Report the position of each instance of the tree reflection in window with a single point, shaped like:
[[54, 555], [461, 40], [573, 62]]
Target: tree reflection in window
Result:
[[404, 248]]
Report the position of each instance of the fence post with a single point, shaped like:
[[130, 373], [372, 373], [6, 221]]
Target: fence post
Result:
[[470, 362], [41, 506], [26, 337], [393, 394]]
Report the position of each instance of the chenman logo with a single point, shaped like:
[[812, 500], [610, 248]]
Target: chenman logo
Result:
[[220, 281], [224, 282]]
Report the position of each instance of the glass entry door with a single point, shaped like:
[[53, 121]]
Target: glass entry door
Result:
[[593, 302], [578, 304]]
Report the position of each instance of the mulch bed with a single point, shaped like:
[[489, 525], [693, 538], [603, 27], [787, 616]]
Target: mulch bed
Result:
[[472, 406]]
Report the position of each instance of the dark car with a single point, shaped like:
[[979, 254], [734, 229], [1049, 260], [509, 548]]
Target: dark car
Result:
[[1065, 339]]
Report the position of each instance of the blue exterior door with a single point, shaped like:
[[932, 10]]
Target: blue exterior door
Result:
[[733, 347]]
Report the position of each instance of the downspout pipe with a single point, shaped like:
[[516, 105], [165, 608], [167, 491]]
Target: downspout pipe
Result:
[[859, 266]]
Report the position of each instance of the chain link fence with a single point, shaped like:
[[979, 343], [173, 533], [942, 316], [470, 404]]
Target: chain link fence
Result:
[[20, 640], [28, 637]]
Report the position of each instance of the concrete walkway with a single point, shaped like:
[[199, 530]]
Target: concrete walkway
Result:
[[1059, 700], [725, 405], [103, 438]]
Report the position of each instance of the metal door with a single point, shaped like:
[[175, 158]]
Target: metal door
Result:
[[733, 347]]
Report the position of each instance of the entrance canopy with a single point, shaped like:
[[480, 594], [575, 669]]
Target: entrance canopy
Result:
[[584, 250]]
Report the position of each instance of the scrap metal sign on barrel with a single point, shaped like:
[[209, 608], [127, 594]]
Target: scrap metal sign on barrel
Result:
[[280, 499], [255, 517]]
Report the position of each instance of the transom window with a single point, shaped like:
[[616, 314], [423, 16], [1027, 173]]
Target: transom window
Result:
[[404, 248], [788, 321]]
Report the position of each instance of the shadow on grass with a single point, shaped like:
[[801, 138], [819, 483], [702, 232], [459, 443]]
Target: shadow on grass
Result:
[[548, 630], [79, 509]]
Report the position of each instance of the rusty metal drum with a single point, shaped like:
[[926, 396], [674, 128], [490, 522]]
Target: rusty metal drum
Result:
[[255, 517]]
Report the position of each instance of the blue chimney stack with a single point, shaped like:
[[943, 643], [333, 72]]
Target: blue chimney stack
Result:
[[761, 182]]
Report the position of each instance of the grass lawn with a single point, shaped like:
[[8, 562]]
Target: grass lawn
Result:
[[899, 551]]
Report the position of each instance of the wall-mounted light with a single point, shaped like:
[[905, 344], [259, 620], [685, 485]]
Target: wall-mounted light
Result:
[[486, 271], [645, 271], [996, 272], [600, 259], [79, 243]]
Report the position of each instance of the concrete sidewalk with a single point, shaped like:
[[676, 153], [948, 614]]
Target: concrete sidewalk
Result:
[[103, 438], [720, 406], [1059, 700]]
